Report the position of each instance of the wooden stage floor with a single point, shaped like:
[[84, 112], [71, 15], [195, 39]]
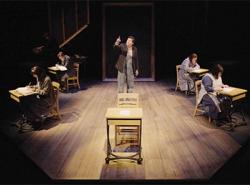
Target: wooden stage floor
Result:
[[175, 145]]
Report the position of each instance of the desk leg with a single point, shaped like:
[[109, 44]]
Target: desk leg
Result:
[[139, 161], [242, 111], [108, 145], [23, 117], [239, 107]]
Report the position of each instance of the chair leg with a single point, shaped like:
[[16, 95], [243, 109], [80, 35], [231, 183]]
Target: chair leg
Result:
[[195, 110], [67, 85], [59, 116], [78, 84], [209, 119], [57, 113]]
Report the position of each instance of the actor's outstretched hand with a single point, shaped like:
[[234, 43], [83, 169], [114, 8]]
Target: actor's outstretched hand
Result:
[[118, 39], [136, 73]]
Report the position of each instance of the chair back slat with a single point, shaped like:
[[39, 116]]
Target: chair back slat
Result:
[[128, 100]]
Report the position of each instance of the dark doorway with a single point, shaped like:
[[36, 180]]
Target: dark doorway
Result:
[[126, 19]]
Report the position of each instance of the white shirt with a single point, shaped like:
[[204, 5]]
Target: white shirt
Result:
[[130, 53]]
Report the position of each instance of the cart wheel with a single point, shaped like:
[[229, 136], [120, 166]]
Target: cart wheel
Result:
[[139, 161], [107, 160]]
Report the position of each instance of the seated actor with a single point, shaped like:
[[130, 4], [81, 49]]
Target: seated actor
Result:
[[209, 95], [67, 62], [37, 108], [186, 79]]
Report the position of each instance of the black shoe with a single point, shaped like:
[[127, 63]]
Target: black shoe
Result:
[[26, 128], [38, 123]]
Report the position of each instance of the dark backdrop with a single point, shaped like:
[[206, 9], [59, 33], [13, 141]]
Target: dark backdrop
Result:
[[125, 21], [217, 31]]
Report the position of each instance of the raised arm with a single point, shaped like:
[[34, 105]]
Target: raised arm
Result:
[[117, 43]]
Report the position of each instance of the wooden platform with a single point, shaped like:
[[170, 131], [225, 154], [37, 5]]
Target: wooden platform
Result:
[[175, 145]]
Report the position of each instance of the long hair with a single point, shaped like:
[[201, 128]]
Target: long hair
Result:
[[40, 72], [216, 69]]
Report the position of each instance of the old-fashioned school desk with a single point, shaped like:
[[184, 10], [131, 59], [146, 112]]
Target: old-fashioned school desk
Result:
[[18, 94], [56, 69], [237, 96], [200, 72], [124, 117]]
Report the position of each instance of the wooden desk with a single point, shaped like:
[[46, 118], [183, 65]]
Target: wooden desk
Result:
[[196, 75], [57, 73], [235, 93], [54, 70], [123, 117], [15, 95], [200, 72], [237, 96]]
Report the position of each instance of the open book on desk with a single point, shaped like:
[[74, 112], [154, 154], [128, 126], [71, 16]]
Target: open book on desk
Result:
[[60, 67], [201, 70], [26, 91], [227, 89], [57, 68]]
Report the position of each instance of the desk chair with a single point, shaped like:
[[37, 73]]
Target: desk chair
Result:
[[177, 79], [198, 107], [74, 80]]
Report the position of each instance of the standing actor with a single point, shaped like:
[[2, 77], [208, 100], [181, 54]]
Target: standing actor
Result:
[[127, 64]]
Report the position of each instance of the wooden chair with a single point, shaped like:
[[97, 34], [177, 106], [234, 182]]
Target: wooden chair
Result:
[[198, 107], [55, 109], [128, 100], [177, 77], [74, 80]]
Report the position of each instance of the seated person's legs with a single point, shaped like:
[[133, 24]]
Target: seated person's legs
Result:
[[35, 110], [214, 112], [225, 106], [212, 109], [63, 81], [191, 86], [28, 116]]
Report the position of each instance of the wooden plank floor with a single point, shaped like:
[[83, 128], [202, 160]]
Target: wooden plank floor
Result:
[[175, 145]]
